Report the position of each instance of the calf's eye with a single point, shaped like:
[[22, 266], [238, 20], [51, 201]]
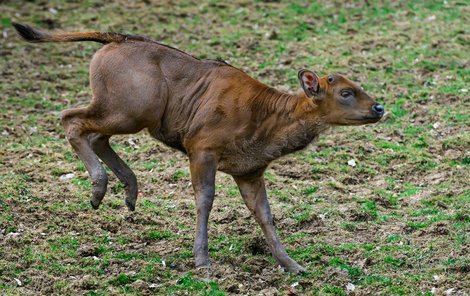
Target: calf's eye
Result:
[[346, 94]]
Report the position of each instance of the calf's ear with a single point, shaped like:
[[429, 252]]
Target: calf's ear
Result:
[[309, 82]]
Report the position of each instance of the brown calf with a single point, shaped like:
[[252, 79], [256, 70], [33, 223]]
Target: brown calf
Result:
[[215, 113]]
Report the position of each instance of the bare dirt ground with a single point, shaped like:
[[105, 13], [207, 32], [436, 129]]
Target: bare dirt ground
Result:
[[396, 222]]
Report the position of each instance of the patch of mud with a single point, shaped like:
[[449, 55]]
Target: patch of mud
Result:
[[360, 216], [257, 246], [289, 168]]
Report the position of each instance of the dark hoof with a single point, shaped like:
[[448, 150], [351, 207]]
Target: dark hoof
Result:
[[95, 206], [204, 271], [295, 268], [130, 205]]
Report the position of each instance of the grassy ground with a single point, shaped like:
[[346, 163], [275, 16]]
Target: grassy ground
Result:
[[396, 223]]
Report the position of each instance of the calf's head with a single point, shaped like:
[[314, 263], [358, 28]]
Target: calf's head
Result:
[[340, 101]]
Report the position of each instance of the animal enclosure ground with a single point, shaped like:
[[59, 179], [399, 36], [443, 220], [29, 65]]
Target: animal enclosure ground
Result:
[[394, 221]]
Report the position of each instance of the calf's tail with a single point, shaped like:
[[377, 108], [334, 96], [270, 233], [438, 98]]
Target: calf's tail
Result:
[[37, 36]]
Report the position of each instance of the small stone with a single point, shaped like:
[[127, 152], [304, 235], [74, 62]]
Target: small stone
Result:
[[132, 143], [13, 236], [272, 35], [66, 177], [350, 287], [352, 162]]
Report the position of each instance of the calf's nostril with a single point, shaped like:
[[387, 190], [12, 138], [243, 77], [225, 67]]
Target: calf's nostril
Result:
[[378, 108]]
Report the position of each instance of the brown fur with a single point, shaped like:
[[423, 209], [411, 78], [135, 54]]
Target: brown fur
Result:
[[215, 113]]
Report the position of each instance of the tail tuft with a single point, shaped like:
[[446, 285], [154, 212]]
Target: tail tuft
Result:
[[28, 33]]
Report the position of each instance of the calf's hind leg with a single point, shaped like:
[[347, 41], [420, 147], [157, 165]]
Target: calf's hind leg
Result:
[[77, 124], [100, 145]]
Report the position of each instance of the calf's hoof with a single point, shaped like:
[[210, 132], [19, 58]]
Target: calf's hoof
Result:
[[204, 271], [130, 204], [293, 267], [296, 269], [95, 204]]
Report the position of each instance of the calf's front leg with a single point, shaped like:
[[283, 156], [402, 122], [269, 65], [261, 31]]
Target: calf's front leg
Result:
[[254, 194], [203, 168]]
